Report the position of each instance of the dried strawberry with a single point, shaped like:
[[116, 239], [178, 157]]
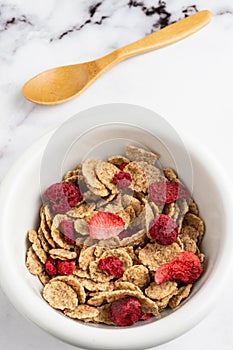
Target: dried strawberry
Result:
[[122, 180], [67, 228], [65, 267], [62, 196], [167, 192], [104, 225], [50, 267], [122, 166], [185, 267], [164, 230], [125, 311], [112, 265]]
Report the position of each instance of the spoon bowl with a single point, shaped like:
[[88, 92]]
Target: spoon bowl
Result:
[[61, 84], [48, 86]]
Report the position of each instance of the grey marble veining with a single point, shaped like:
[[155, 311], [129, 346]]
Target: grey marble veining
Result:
[[22, 22]]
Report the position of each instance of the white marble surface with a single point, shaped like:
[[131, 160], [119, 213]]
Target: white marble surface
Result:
[[189, 84]]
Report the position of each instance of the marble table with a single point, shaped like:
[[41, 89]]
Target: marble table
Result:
[[189, 84]]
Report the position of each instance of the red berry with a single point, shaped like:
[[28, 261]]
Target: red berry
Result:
[[122, 166], [112, 265], [162, 274], [164, 230], [61, 207], [125, 311], [144, 317], [50, 267], [104, 225], [167, 192], [67, 228], [185, 267], [128, 232], [122, 180], [65, 267], [62, 196]]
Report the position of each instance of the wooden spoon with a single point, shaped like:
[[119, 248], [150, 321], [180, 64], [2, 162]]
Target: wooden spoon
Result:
[[61, 84]]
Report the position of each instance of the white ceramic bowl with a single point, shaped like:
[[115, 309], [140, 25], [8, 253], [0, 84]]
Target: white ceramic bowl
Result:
[[104, 130]]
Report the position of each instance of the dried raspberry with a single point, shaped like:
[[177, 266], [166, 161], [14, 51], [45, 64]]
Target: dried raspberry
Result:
[[112, 265], [61, 207], [104, 225], [164, 230], [65, 267], [144, 317], [185, 267], [122, 180], [62, 196], [128, 233], [50, 267], [167, 192], [122, 166], [125, 311], [67, 228]]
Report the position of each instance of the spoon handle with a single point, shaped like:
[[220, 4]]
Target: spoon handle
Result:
[[166, 36]]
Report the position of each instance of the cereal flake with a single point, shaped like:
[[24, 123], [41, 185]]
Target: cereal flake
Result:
[[81, 226], [43, 240], [170, 174], [126, 286], [60, 295], [86, 257], [158, 292], [118, 160], [141, 155], [139, 181], [89, 173], [105, 172], [62, 254], [46, 230], [138, 275], [33, 263], [183, 293], [75, 283], [153, 254], [82, 312], [36, 246]]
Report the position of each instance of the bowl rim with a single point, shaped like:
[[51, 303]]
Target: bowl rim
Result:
[[121, 338]]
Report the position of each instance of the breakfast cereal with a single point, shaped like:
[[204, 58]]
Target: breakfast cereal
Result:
[[62, 254], [159, 291], [118, 240], [82, 312], [60, 295], [182, 293], [33, 263], [139, 154], [36, 246]]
